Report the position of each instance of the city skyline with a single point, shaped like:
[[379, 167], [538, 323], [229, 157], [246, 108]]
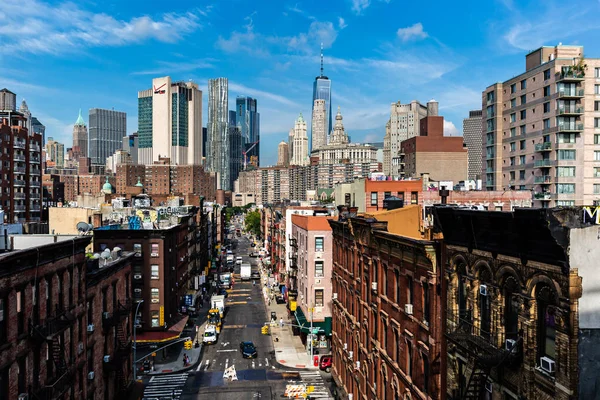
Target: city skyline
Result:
[[395, 60]]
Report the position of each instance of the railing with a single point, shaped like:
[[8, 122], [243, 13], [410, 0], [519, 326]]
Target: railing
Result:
[[34, 208], [570, 110], [19, 182], [19, 207], [570, 76], [489, 182], [19, 145], [570, 93], [543, 179], [34, 195], [546, 146], [57, 386], [544, 163], [20, 196], [19, 157], [544, 196], [51, 326], [34, 183], [294, 242], [570, 127], [35, 160], [34, 147], [19, 169]]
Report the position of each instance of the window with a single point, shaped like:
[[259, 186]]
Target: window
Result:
[[426, 303], [547, 74], [596, 105], [137, 248], [318, 297], [409, 290], [484, 315], [523, 99], [565, 203], [523, 84], [597, 72], [547, 107], [319, 246], [154, 271], [397, 274], [512, 160], [513, 103], [596, 89], [513, 88], [425, 373], [319, 268], [522, 145], [20, 313], [523, 129], [596, 155], [566, 138], [596, 122], [523, 114], [409, 359], [513, 132], [513, 117], [546, 324], [596, 172], [565, 172], [154, 251], [522, 174], [596, 188], [155, 295], [513, 146], [566, 154], [565, 188], [386, 194], [522, 160], [3, 320], [373, 198], [414, 197], [154, 319]]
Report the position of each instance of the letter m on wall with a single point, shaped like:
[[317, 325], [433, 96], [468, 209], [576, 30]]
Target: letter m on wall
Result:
[[591, 214]]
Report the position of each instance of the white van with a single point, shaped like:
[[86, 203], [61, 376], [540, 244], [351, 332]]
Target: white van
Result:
[[210, 335], [238, 260]]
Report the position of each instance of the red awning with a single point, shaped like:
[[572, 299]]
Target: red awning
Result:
[[174, 332]]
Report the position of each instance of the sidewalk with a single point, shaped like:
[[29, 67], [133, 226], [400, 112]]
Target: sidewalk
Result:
[[289, 350], [176, 366]]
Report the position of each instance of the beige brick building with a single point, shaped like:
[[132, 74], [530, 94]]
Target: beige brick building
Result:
[[541, 129]]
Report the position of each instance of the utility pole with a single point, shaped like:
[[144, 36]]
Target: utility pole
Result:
[[135, 320], [312, 311]]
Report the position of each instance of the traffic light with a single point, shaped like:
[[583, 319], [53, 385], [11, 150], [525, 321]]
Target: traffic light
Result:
[[265, 330], [187, 345]]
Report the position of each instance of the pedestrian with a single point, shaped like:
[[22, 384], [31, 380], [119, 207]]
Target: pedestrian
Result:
[[184, 360], [281, 322]]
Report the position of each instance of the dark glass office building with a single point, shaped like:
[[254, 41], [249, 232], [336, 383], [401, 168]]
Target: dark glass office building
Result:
[[107, 128]]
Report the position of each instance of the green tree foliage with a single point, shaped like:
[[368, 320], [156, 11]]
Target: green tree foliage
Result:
[[253, 222]]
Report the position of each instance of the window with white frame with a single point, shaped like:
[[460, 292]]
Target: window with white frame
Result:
[[565, 203], [154, 251], [319, 243], [596, 155], [373, 198], [154, 271], [154, 318], [319, 297], [566, 154], [565, 188], [319, 268], [596, 172], [565, 172], [596, 188], [155, 294]]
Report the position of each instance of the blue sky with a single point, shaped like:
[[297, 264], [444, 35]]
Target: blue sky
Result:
[[62, 56]]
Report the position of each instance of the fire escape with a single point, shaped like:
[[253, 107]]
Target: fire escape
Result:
[[117, 362], [480, 347], [51, 331], [293, 273]]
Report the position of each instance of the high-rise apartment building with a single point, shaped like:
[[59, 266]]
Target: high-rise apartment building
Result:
[[39, 129], [473, 141], [540, 128], [404, 124], [318, 133], [170, 122], [300, 143], [55, 153], [248, 120], [236, 148], [80, 138], [106, 130], [8, 100], [322, 91], [217, 153], [283, 154]]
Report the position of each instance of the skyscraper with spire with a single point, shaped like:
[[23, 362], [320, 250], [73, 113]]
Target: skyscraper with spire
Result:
[[322, 91], [80, 138]]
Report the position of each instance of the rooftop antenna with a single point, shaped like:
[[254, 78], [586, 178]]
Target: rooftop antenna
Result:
[[321, 58]]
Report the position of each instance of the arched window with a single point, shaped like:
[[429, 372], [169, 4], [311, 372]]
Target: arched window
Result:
[[425, 387], [462, 290], [546, 324], [484, 303], [511, 308]]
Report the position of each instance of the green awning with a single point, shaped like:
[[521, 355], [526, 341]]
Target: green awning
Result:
[[324, 327]]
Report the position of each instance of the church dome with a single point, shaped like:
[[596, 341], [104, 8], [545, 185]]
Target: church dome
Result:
[[107, 187]]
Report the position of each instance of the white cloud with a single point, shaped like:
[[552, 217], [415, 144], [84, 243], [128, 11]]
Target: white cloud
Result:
[[244, 90], [168, 67], [358, 6], [450, 129], [412, 32], [42, 28], [341, 23]]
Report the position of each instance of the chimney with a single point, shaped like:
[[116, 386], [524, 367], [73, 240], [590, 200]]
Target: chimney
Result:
[[444, 193]]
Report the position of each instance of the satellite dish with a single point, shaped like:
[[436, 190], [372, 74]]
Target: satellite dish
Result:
[[84, 227], [105, 255]]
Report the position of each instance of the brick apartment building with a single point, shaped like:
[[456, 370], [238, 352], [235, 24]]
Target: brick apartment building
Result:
[[387, 326], [368, 194], [522, 305], [42, 321], [109, 326]]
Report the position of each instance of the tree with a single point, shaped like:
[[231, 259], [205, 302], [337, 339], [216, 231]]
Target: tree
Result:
[[253, 222]]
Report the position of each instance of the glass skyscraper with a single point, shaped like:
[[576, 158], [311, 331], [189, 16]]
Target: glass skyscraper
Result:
[[248, 120], [217, 143], [322, 91], [106, 131]]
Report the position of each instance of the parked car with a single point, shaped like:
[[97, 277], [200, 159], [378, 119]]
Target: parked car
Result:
[[255, 275], [279, 299], [222, 292], [248, 350], [326, 363]]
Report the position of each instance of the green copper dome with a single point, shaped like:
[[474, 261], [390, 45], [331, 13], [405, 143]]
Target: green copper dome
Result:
[[80, 121], [300, 118], [107, 187], [139, 182]]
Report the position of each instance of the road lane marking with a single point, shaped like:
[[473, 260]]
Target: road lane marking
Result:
[[237, 302], [266, 361], [233, 326], [225, 350], [199, 366], [226, 363], [253, 364]]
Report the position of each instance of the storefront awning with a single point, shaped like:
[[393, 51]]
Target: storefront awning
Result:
[[324, 327], [174, 332]]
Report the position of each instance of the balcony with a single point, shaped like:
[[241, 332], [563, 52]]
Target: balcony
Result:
[[570, 110], [489, 182], [542, 196], [34, 196], [544, 163], [34, 183], [19, 207], [570, 76], [34, 160], [19, 157], [543, 180], [571, 94], [19, 182], [34, 208], [19, 196], [34, 147], [19, 145], [541, 147], [19, 170], [570, 127]]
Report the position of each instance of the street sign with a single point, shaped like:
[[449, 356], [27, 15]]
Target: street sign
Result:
[[315, 331]]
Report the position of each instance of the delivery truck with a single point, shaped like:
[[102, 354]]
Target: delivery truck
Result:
[[245, 271], [218, 302]]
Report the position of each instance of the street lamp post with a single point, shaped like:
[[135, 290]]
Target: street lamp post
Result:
[[135, 340], [312, 311]]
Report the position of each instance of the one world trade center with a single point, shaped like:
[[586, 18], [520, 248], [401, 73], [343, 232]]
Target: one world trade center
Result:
[[322, 91]]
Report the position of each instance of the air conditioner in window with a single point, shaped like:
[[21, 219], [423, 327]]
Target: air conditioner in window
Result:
[[91, 376], [137, 290], [90, 328], [153, 254], [357, 365], [350, 396], [137, 276], [509, 344], [547, 365], [23, 396], [317, 281], [155, 300], [345, 346], [408, 308], [106, 358], [488, 387], [374, 286], [80, 348], [350, 355], [106, 315], [483, 290], [335, 296]]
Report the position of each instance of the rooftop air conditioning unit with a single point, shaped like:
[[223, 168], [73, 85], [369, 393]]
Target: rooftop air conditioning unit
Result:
[[357, 365], [90, 328], [335, 296], [483, 290], [374, 286], [91, 376], [350, 355], [509, 344], [106, 358], [408, 309], [547, 365]]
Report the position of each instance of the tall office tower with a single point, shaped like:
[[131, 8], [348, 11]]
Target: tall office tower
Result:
[[404, 124], [8, 100], [24, 109], [248, 119], [170, 122], [473, 141], [39, 129], [318, 132], [387, 150], [540, 129], [300, 152], [55, 153], [107, 128], [217, 153], [283, 154], [322, 91], [236, 148], [80, 138], [291, 144]]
